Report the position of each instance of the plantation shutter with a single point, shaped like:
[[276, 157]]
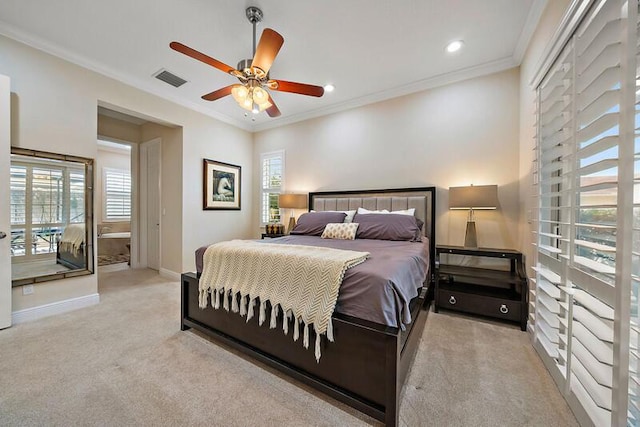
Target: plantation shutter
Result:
[[272, 182], [584, 201], [634, 332], [117, 195]]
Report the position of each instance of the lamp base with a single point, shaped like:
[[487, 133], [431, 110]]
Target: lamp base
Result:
[[292, 223], [470, 238]]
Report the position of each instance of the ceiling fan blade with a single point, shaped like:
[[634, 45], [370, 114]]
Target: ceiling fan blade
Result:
[[268, 47], [293, 87], [273, 111], [217, 94], [179, 47]]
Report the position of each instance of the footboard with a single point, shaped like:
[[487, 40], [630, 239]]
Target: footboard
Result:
[[364, 368]]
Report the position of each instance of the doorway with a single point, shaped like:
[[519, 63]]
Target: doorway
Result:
[[113, 204]]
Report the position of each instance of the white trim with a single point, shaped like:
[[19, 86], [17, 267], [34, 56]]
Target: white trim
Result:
[[169, 274], [267, 155], [148, 86], [5, 191], [110, 268], [535, 13], [106, 173], [418, 86], [572, 17], [59, 307], [46, 46]]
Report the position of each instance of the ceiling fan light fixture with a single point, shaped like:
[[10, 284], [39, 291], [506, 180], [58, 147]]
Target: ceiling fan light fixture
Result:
[[329, 87], [240, 93], [260, 95]]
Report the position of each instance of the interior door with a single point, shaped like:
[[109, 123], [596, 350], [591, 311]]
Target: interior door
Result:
[[150, 158], [5, 224]]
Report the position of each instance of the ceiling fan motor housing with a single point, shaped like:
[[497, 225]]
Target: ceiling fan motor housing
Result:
[[254, 14]]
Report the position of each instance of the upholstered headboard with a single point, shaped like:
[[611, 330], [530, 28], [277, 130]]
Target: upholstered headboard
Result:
[[422, 199]]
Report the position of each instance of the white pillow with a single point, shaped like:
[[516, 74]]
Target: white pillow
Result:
[[340, 230], [410, 211], [363, 211], [348, 218]]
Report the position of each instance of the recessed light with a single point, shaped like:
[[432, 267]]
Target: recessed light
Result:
[[329, 88], [454, 46]]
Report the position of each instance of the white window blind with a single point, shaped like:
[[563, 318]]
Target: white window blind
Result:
[[584, 259], [117, 194], [272, 169]]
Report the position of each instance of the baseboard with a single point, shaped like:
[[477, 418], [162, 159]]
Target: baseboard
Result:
[[169, 274], [34, 313], [113, 267]]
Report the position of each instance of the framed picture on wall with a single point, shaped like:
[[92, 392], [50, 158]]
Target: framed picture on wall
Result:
[[221, 186]]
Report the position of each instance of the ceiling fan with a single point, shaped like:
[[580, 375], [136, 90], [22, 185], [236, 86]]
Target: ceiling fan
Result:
[[251, 93]]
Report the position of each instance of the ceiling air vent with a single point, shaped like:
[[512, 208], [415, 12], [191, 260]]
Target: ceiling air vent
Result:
[[169, 78]]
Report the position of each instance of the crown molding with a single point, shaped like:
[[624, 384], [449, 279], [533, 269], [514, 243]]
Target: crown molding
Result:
[[533, 18], [45, 46], [418, 86], [572, 17]]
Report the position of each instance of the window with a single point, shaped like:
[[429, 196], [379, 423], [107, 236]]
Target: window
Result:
[[117, 194], [44, 199], [588, 232], [272, 175]]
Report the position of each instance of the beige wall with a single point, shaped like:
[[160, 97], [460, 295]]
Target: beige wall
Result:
[[460, 134], [119, 129], [54, 108], [546, 28]]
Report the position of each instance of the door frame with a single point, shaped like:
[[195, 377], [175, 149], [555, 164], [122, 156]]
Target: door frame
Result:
[[5, 221], [144, 208]]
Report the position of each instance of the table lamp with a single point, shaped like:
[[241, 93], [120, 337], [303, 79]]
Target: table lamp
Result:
[[473, 197], [292, 201]]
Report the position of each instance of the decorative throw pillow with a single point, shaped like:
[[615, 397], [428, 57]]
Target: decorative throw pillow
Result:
[[313, 223], [342, 231]]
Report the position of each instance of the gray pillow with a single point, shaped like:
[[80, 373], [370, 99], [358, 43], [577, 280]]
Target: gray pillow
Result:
[[387, 227], [313, 223]]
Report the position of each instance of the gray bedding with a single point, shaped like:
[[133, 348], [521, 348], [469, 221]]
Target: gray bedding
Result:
[[380, 289]]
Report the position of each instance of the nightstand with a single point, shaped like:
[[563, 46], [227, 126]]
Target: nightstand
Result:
[[271, 236], [489, 288]]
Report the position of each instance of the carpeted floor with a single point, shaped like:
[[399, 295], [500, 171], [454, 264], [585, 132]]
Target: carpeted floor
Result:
[[126, 362]]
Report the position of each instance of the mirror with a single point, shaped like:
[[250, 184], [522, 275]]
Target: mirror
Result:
[[51, 216]]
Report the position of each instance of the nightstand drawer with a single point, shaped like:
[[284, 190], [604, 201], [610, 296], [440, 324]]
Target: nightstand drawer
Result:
[[479, 304]]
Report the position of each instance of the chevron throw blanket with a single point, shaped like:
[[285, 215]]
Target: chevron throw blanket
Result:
[[302, 281]]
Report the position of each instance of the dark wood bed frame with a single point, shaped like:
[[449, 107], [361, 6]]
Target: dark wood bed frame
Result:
[[367, 364]]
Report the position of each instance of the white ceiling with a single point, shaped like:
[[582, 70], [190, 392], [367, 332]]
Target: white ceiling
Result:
[[369, 49]]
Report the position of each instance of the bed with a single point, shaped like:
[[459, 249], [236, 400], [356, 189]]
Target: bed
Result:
[[71, 247], [367, 364]]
